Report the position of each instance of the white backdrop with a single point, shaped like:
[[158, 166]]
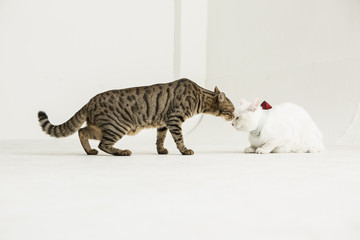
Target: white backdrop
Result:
[[56, 55], [306, 52]]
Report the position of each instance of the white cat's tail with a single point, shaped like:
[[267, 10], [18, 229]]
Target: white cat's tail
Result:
[[316, 143]]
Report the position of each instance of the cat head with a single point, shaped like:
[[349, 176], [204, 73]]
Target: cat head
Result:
[[222, 106], [246, 115]]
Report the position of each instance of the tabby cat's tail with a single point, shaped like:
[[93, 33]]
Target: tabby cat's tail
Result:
[[65, 129]]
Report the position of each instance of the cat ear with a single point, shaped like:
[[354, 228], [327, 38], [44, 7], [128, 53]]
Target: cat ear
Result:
[[222, 97], [242, 101], [254, 105], [216, 89], [256, 102]]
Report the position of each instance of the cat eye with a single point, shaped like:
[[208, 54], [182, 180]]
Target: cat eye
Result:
[[237, 118]]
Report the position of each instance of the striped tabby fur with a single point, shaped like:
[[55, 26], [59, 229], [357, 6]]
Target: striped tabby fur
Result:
[[113, 114]]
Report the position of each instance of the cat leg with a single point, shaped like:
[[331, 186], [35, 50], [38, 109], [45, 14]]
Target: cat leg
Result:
[[109, 138], [89, 132], [250, 149], [268, 147], [176, 132], [161, 134]]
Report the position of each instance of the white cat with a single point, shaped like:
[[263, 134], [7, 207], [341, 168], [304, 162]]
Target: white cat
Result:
[[281, 129]]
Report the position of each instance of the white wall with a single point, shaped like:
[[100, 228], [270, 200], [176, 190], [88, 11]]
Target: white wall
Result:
[[56, 55], [190, 46], [306, 52]]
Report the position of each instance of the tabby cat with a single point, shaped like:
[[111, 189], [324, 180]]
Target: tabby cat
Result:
[[113, 114]]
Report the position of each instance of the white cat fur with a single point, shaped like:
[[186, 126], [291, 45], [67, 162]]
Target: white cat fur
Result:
[[288, 128]]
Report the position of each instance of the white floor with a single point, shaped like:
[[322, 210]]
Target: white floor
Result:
[[52, 190]]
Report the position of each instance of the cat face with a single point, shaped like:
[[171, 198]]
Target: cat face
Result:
[[246, 116], [223, 106]]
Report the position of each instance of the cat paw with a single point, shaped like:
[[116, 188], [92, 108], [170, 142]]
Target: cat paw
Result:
[[249, 150], [314, 149], [261, 151], [162, 151], [123, 153], [92, 152], [187, 152]]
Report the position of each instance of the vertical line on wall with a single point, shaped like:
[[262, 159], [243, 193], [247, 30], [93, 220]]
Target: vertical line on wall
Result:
[[177, 38], [190, 37]]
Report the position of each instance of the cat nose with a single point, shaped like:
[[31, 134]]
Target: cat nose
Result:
[[232, 124]]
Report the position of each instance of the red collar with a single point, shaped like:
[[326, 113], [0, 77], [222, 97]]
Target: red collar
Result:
[[266, 106]]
